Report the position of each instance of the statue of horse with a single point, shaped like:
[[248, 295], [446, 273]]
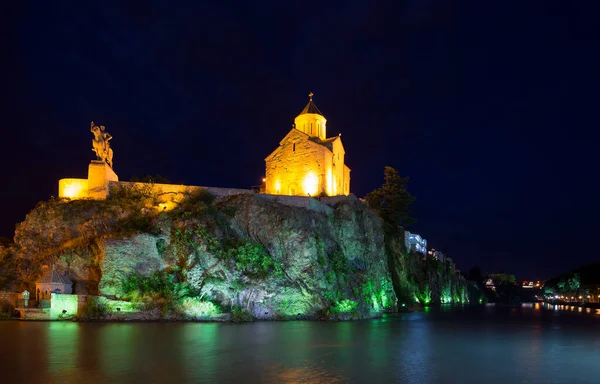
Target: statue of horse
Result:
[[100, 144]]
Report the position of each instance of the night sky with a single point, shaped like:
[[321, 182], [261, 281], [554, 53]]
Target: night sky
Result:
[[490, 108]]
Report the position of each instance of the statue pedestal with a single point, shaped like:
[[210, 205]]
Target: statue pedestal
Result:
[[99, 175]]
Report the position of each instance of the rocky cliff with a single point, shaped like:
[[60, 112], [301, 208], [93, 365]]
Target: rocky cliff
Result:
[[424, 280], [239, 257], [243, 254]]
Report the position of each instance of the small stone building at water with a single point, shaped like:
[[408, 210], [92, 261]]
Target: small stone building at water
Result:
[[52, 282]]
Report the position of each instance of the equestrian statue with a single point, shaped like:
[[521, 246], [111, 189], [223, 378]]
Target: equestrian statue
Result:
[[101, 145]]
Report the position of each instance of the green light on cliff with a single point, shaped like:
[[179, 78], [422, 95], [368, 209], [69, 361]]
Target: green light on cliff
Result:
[[375, 302], [446, 295], [63, 306], [344, 306], [195, 308], [385, 301], [423, 297]]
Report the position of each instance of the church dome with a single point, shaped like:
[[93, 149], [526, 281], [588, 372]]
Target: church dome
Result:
[[311, 121]]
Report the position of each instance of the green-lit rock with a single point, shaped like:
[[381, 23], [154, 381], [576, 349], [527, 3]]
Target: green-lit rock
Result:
[[247, 252], [240, 257]]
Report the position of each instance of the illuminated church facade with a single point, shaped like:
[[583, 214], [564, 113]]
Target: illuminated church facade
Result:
[[307, 163]]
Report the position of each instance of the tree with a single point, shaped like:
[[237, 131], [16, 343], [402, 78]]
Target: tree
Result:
[[392, 201], [573, 284]]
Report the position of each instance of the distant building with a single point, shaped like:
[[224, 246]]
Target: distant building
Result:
[[415, 242], [532, 284], [489, 283], [52, 282], [437, 255]]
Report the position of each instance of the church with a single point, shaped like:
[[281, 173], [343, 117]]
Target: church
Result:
[[307, 163]]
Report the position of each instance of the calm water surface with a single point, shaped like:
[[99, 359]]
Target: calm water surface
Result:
[[486, 344]]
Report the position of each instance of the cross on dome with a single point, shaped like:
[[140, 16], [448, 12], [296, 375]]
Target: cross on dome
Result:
[[311, 107]]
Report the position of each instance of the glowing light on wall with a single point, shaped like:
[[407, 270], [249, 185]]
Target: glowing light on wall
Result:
[[63, 306], [277, 186], [310, 184], [329, 177], [335, 185], [166, 206], [73, 188]]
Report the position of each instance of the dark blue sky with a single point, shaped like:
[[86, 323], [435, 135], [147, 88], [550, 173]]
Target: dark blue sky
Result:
[[489, 107]]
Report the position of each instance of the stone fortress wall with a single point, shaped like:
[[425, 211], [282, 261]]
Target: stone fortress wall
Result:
[[102, 179]]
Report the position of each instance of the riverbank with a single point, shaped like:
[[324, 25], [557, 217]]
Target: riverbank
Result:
[[130, 314], [573, 304]]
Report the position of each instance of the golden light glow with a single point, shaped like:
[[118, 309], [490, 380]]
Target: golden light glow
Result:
[[73, 188], [310, 184], [335, 191], [277, 186], [329, 177], [166, 206]]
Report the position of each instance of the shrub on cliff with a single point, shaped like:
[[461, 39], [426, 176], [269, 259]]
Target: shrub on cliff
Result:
[[344, 307], [195, 205], [239, 314], [93, 308], [131, 197], [135, 222], [159, 283], [252, 259]]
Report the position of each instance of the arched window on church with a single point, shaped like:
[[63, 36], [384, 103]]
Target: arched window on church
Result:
[[294, 147]]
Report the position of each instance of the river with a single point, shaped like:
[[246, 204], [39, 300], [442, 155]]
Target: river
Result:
[[531, 343]]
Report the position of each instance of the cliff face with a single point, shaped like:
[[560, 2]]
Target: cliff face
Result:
[[241, 257], [244, 254], [424, 280]]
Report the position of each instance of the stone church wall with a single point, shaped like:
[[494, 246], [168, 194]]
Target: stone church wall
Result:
[[298, 168]]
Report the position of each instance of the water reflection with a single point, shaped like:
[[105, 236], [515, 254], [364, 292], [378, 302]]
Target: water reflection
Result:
[[537, 343], [62, 340]]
